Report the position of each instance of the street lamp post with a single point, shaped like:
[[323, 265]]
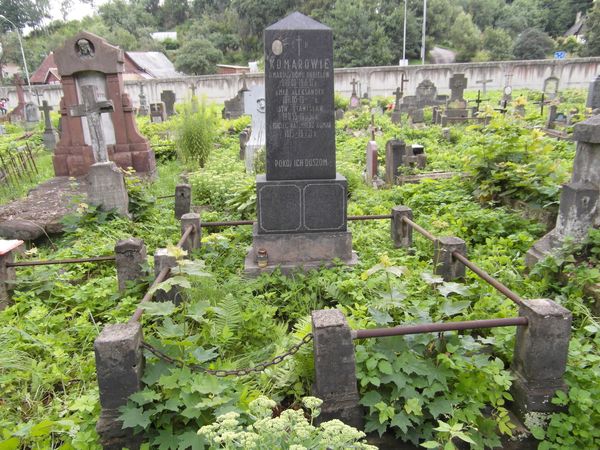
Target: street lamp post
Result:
[[404, 37], [22, 51]]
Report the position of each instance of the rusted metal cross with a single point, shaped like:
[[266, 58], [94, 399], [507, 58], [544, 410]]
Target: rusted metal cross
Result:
[[478, 101], [92, 109]]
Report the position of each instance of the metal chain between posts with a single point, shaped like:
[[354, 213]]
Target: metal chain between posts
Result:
[[233, 372]]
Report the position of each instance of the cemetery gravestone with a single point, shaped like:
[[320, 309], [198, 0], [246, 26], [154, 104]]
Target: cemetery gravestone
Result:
[[484, 84], [456, 110], [143, 110], [579, 208], [235, 106], [339, 114], [158, 112], [395, 150], [301, 200], [168, 98], [551, 87], [18, 113], [593, 99], [87, 59], [32, 116], [107, 185], [254, 105], [50, 136], [397, 113], [372, 169], [354, 100]]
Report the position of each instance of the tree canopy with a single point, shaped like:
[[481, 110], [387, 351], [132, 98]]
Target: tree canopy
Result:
[[366, 32]]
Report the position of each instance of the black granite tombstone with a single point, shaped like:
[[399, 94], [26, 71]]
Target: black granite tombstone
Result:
[[301, 200], [299, 94]]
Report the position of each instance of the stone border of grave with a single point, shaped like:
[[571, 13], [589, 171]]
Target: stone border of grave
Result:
[[540, 350]]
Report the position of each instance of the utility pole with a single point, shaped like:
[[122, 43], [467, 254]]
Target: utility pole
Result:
[[423, 32], [404, 38]]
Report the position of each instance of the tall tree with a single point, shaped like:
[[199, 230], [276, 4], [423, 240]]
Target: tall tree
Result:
[[498, 44], [465, 37], [360, 39], [592, 32], [533, 44], [23, 13]]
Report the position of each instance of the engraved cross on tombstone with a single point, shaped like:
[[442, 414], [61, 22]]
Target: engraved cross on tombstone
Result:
[[45, 108], [91, 109]]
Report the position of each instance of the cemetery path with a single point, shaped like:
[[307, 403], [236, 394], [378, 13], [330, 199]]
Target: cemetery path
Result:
[[441, 55], [41, 212]]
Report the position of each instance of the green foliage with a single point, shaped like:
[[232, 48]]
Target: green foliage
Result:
[[465, 37], [291, 430], [592, 32], [498, 44], [533, 44], [195, 132], [198, 56]]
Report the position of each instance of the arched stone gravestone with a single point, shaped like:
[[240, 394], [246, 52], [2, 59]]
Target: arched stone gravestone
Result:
[[88, 60]]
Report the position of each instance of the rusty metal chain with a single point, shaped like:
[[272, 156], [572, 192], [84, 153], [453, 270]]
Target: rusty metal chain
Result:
[[260, 367]]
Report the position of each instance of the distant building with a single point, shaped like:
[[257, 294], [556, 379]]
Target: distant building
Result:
[[577, 29], [224, 69], [138, 66], [162, 36]]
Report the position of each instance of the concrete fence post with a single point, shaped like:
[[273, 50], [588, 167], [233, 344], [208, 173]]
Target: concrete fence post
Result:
[[335, 371], [162, 259], [183, 200], [119, 368], [540, 357], [194, 239], [445, 265], [130, 259], [7, 274], [402, 233]]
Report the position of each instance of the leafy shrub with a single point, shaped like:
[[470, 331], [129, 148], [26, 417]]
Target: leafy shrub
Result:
[[195, 132], [340, 101]]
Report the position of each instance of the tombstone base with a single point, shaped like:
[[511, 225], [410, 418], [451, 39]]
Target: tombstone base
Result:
[[107, 188], [396, 117], [50, 138], [299, 251]]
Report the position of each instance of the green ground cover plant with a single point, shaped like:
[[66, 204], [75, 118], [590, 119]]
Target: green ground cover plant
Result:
[[435, 390]]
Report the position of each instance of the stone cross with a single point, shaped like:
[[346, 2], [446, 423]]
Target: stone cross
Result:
[[484, 83], [458, 83], [354, 83], [45, 108], [92, 109]]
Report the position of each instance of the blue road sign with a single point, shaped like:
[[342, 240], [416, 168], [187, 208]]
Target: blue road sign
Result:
[[560, 55]]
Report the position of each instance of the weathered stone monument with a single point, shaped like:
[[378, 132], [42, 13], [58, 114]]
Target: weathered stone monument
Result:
[[50, 136], [32, 115], [372, 166], [107, 184], [551, 87], [158, 113], [18, 113], [395, 150], [168, 98], [593, 99], [88, 60], [456, 109], [579, 201], [235, 106], [301, 200], [254, 105], [143, 109], [354, 100], [397, 113]]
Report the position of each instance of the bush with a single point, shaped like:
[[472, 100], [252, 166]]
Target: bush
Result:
[[195, 133]]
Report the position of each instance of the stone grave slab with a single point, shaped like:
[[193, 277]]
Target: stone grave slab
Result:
[[168, 98]]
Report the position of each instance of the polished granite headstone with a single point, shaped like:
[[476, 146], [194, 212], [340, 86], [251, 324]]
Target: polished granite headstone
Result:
[[301, 200]]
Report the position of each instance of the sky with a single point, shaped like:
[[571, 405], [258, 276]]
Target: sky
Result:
[[77, 10]]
